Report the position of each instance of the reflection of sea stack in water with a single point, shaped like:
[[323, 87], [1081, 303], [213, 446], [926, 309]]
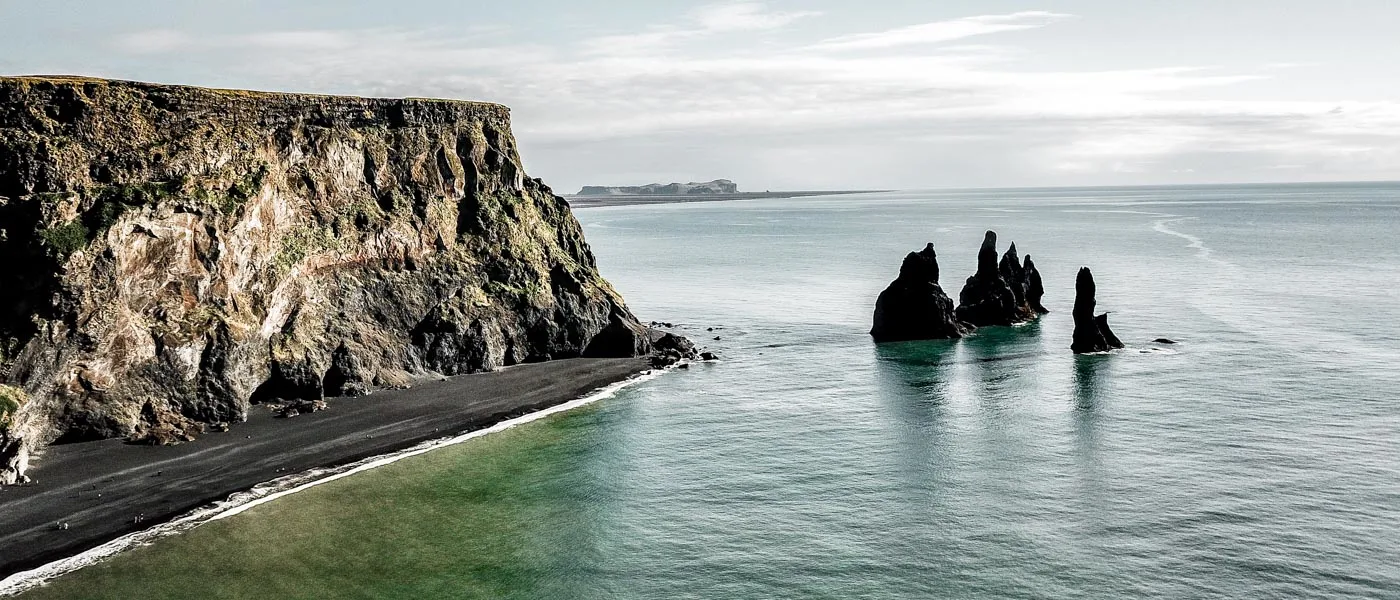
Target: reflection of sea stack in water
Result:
[[914, 306], [996, 294], [1091, 333]]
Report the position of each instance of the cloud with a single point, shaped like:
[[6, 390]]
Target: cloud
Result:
[[704, 22], [920, 112], [153, 41], [944, 31], [744, 16]]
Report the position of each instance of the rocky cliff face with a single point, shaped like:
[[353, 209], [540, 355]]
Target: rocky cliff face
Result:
[[172, 254]]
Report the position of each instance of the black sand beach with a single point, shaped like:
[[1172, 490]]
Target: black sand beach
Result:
[[99, 488]]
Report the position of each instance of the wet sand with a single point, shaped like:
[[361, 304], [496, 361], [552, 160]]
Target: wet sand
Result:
[[100, 488]]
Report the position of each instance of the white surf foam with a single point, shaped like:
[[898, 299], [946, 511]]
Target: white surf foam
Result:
[[1198, 244], [281, 487]]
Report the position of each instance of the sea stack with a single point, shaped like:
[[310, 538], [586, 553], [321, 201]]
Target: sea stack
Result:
[[173, 254], [914, 306], [996, 294], [1035, 288], [1091, 333]]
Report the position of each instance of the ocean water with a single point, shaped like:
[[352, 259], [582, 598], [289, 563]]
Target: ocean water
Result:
[[1258, 458]]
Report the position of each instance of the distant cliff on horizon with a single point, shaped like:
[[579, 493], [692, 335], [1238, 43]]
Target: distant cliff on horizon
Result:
[[718, 186]]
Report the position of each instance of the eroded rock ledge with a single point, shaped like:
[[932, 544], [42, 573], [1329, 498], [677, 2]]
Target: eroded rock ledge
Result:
[[173, 254]]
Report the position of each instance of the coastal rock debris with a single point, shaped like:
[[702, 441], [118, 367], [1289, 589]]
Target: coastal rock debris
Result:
[[1091, 333], [670, 349], [176, 254]]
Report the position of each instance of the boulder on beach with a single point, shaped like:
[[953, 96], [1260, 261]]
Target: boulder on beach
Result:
[[996, 294], [1091, 333], [914, 306]]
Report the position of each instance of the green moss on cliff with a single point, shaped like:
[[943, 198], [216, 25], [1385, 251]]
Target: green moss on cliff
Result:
[[63, 240], [114, 200], [11, 398], [248, 186], [303, 242]]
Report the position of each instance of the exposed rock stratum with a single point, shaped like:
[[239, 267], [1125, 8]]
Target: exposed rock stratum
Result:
[[172, 254]]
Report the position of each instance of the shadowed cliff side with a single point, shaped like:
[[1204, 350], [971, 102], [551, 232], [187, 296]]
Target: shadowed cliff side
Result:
[[174, 254]]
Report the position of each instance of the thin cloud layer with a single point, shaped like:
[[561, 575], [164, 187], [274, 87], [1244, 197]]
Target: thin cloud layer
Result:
[[944, 31], [737, 90]]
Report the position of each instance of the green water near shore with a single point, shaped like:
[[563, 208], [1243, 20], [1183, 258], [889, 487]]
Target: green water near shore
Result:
[[457, 522], [1258, 458]]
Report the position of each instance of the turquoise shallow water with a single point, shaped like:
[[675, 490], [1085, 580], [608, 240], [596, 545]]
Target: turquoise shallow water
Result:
[[1259, 458]]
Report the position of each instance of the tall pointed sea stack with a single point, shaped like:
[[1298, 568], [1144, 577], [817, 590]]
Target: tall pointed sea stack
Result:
[[1091, 333], [1019, 278], [989, 298], [914, 306], [1035, 288]]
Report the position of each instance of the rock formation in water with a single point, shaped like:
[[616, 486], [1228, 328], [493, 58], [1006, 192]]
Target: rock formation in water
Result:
[[914, 306], [174, 253], [1035, 288], [1091, 333], [996, 294]]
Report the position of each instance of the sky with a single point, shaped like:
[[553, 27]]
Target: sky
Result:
[[825, 94]]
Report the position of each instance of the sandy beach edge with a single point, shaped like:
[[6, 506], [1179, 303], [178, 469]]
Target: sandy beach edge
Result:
[[341, 451]]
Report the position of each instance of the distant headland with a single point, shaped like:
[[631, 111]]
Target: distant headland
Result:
[[718, 186], [709, 191]]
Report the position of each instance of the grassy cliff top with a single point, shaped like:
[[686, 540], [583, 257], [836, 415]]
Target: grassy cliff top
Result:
[[78, 81]]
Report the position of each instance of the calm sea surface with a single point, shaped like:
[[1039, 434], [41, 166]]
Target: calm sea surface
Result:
[[1259, 458]]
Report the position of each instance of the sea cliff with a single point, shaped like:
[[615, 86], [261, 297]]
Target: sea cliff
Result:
[[173, 255]]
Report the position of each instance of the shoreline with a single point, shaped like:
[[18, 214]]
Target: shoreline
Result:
[[100, 488], [580, 202]]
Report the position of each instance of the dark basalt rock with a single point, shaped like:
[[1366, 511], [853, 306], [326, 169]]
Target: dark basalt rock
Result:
[[1013, 274], [622, 338], [670, 342], [670, 349], [914, 306], [996, 294], [1035, 288], [1164, 341], [1091, 333]]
